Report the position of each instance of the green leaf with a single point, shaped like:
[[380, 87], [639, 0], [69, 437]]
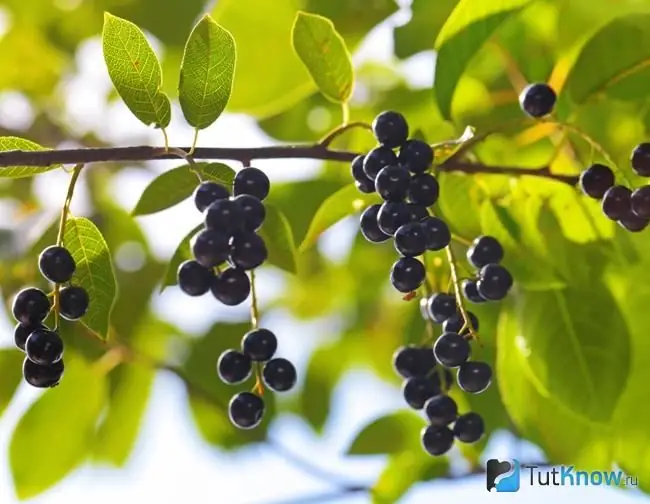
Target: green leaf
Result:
[[11, 364], [420, 33], [468, 27], [11, 143], [178, 184], [63, 420], [323, 51], [339, 205], [392, 433], [181, 254], [207, 73], [135, 71], [279, 241], [459, 203], [94, 272]]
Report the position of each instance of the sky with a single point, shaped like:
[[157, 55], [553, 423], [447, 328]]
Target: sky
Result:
[[171, 463]]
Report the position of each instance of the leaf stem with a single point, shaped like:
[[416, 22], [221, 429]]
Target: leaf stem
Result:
[[327, 140], [345, 110], [462, 240], [467, 323], [194, 140], [187, 156], [164, 132]]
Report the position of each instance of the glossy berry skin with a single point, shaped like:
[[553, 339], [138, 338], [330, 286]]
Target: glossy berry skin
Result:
[[410, 240], [407, 274], [441, 306], [469, 428], [640, 201], [30, 306], [370, 227], [494, 282], [246, 410], [417, 391], [416, 156], [248, 251], [595, 180], [437, 439], [376, 159], [194, 279], [207, 193], [412, 361], [56, 264], [617, 202], [231, 287], [392, 215], [362, 181], [253, 182], [640, 159], [455, 323], [210, 247], [392, 182], [451, 349], [423, 189], [259, 344], [42, 376], [253, 211], [416, 213], [279, 374], [441, 410], [470, 291], [537, 100], [437, 233], [234, 367], [44, 347], [74, 302], [224, 216], [633, 223], [21, 333], [474, 377], [484, 250], [390, 129]]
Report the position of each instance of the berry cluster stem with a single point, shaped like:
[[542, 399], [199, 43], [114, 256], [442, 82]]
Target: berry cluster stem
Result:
[[467, 323], [258, 388], [327, 140]]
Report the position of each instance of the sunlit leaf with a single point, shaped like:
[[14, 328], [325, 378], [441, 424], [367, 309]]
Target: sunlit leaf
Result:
[[278, 237], [393, 433], [181, 254], [11, 361]]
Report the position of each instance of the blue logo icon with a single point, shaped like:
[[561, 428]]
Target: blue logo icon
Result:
[[502, 475]]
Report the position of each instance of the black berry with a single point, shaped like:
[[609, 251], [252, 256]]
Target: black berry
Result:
[[231, 287], [634, 223], [474, 376], [411, 361], [194, 279], [423, 189], [451, 349], [595, 180], [279, 374], [469, 427], [56, 264], [484, 250], [455, 323], [253, 211], [418, 391], [247, 251], [362, 181], [74, 301], [494, 282], [441, 410], [225, 216], [392, 215], [376, 159], [42, 376], [441, 306], [417, 213], [246, 410], [416, 156], [30, 306], [640, 201], [207, 193], [259, 344], [407, 274], [410, 239], [537, 100], [437, 439], [437, 233], [22, 332], [44, 347], [617, 202], [640, 159], [390, 129], [392, 182], [370, 227], [251, 181], [470, 291], [234, 367]]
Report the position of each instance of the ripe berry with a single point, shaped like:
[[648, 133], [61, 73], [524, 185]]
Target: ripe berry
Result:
[[392, 182], [634, 223], [259, 344], [423, 189], [537, 100], [484, 250], [73, 302], [410, 239], [392, 215], [416, 156], [474, 376], [207, 193], [469, 427], [437, 440], [451, 349], [417, 213], [390, 129], [407, 274], [246, 410], [194, 279], [494, 282], [231, 287], [44, 347], [21, 333], [370, 227], [210, 247], [31, 306], [455, 323], [363, 183], [411, 361], [251, 181], [640, 159], [253, 210], [225, 216], [248, 250], [595, 180], [640, 201], [42, 376], [376, 159], [279, 374], [418, 391], [234, 367], [437, 233], [56, 264], [441, 307], [441, 410], [470, 291], [617, 202]]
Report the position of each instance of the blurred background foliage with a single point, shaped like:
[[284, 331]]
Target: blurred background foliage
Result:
[[570, 345]]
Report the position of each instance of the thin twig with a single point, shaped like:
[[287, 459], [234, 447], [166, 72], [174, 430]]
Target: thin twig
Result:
[[327, 140]]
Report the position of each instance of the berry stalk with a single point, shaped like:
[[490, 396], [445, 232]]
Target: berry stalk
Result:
[[258, 388], [467, 323]]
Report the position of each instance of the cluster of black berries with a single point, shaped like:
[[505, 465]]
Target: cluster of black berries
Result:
[[630, 208], [43, 366], [407, 190], [493, 281], [258, 346], [228, 246]]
